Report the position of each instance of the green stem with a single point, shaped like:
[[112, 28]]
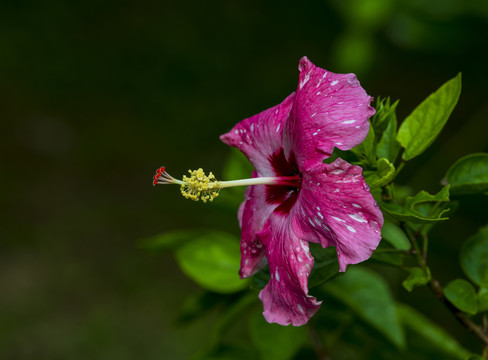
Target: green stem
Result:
[[399, 168], [460, 316], [485, 329], [425, 247], [413, 240], [436, 287]]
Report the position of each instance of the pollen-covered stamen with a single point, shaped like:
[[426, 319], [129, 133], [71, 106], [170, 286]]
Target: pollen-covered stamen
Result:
[[199, 186]]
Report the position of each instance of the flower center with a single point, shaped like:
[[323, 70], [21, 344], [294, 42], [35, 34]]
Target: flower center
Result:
[[199, 186], [284, 195]]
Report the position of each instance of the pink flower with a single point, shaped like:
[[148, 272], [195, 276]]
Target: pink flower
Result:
[[306, 200]]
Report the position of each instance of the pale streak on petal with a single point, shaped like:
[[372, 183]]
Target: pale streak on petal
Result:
[[358, 218]]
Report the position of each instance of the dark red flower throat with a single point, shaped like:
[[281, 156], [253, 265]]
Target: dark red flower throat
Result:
[[285, 195]]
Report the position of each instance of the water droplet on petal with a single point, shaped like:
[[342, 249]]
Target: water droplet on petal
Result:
[[353, 81], [375, 204], [254, 250], [366, 187]]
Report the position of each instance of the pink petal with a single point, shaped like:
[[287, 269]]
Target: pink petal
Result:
[[261, 135], [255, 212], [285, 298], [330, 110], [335, 208]]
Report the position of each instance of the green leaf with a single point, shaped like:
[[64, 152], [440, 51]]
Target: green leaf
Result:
[[170, 240], [388, 146], [325, 266], [423, 125], [383, 175], [366, 151], [436, 336], [389, 258], [197, 305], [212, 260], [422, 208], [417, 277], [469, 175], [483, 299], [383, 115], [474, 357], [401, 213], [386, 254], [395, 236], [260, 279], [462, 295], [273, 341], [368, 295], [424, 197], [226, 320], [236, 166], [474, 257], [386, 172]]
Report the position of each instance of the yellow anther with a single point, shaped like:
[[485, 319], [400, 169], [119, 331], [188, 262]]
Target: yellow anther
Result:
[[200, 186]]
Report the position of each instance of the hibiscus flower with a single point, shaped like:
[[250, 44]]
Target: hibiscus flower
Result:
[[300, 199], [293, 197]]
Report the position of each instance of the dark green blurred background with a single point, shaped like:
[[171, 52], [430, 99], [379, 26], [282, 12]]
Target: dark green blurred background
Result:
[[94, 96]]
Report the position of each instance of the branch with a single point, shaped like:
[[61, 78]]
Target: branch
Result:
[[460, 316]]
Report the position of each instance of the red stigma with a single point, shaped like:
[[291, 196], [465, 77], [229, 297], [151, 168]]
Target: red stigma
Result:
[[159, 172]]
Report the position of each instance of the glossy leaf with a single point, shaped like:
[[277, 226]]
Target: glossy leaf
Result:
[[435, 335], [369, 296], [388, 146], [417, 277], [401, 213], [462, 295], [389, 258], [273, 341], [474, 257], [325, 265], [422, 208], [424, 197], [386, 172], [366, 151], [483, 299], [384, 112], [419, 130], [469, 175], [383, 175], [395, 236], [213, 261]]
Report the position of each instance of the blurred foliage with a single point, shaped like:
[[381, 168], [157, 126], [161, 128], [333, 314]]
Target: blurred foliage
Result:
[[95, 95]]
